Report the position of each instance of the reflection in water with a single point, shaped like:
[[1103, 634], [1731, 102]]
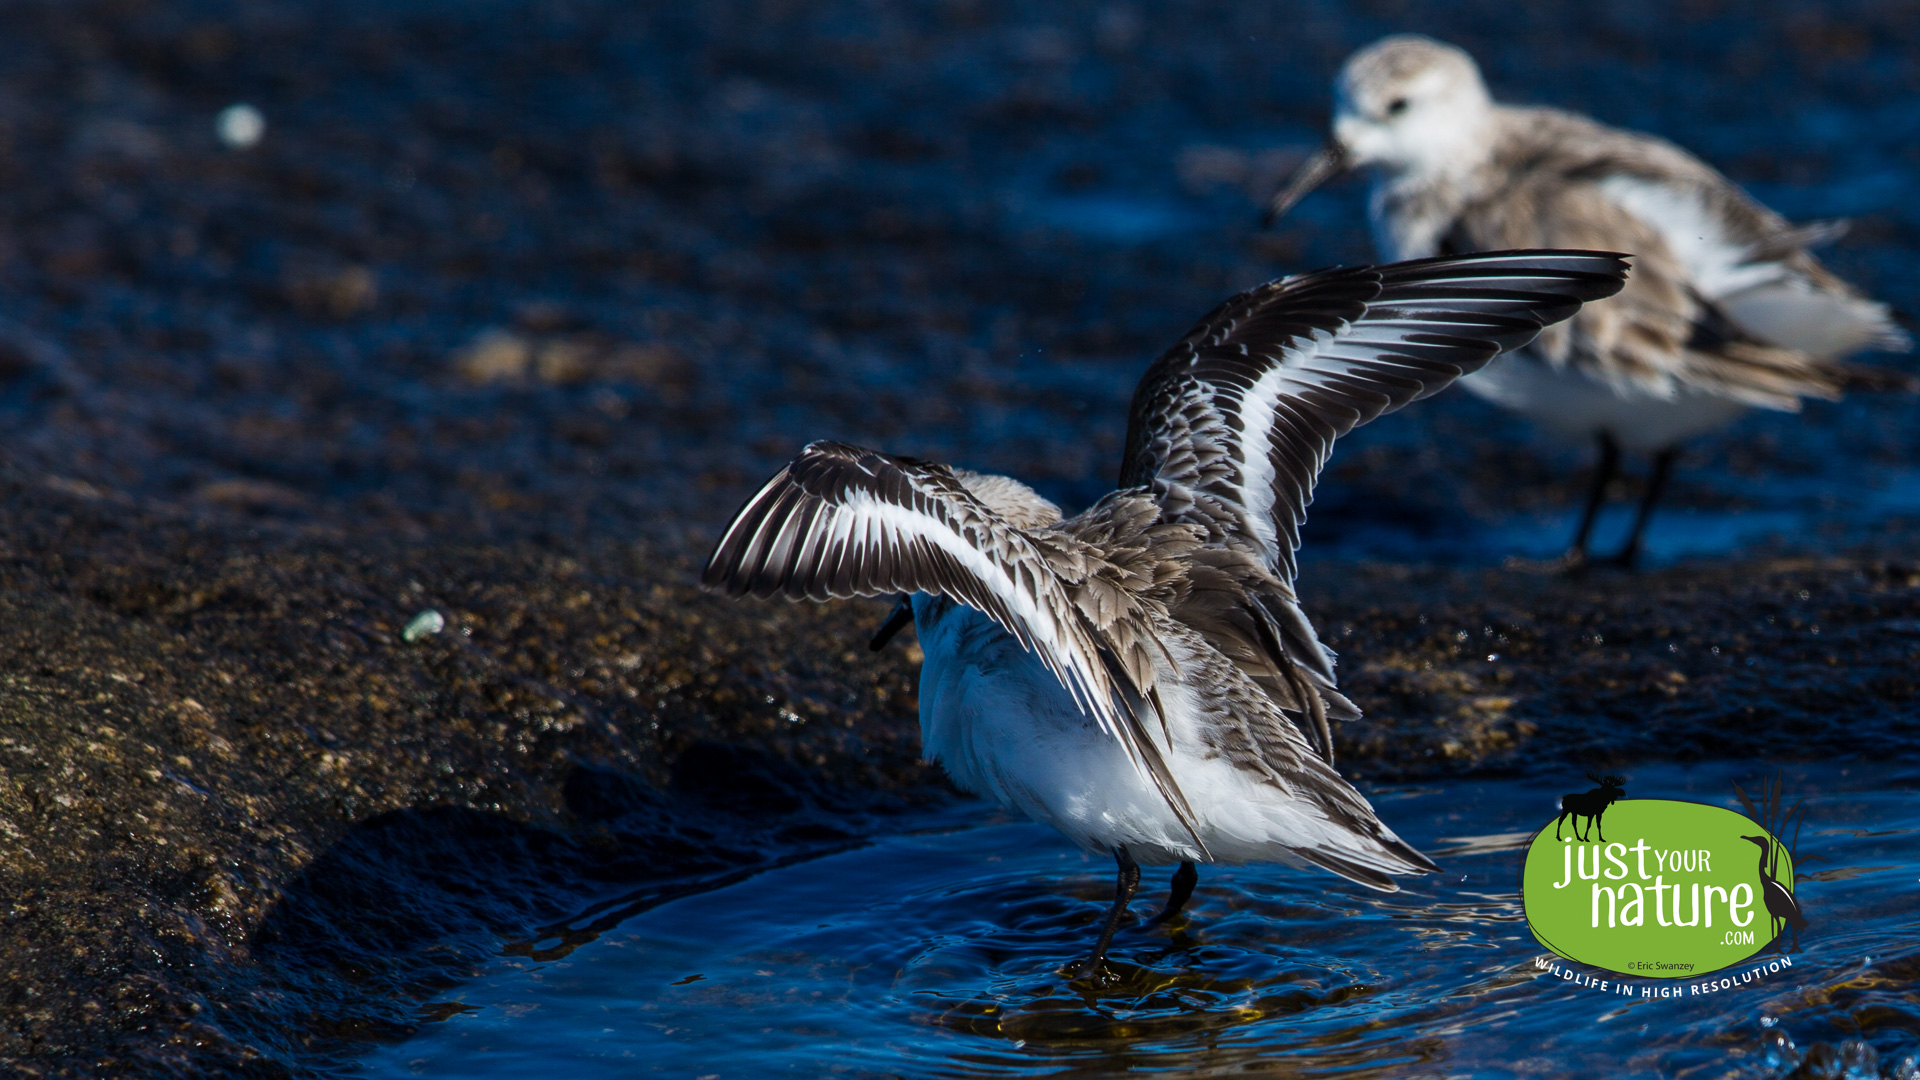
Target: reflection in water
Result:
[[937, 954]]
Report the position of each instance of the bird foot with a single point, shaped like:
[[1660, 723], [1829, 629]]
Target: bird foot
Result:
[[1572, 564], [1626, 561], [1577, 564], [1088, 969]]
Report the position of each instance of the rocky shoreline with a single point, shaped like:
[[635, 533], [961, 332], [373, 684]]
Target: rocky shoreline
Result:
[[246, 826]]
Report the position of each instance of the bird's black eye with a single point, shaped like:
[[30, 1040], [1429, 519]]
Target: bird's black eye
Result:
[[1396, 106]]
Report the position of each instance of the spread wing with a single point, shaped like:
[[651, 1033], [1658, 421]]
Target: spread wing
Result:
[[844, 521], [1231, 427]]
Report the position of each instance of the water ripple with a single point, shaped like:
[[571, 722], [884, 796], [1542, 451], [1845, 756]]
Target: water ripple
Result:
[[937, 952]]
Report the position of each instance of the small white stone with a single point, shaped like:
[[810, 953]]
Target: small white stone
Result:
[[425, 624], [240, 126]]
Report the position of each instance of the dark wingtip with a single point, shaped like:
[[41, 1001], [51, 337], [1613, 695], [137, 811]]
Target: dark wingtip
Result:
[[1612, 265], [723, 563], [1416, 857]]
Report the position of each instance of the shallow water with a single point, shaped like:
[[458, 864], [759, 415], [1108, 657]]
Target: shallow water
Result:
[[1781, 514], [935, 951]]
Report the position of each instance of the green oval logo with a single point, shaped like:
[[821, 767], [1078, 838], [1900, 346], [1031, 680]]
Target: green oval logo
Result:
[[1658, 889]]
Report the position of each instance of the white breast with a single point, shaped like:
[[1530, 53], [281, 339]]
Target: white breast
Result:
[[1002, 727], [1578, 405], [1409, 216]]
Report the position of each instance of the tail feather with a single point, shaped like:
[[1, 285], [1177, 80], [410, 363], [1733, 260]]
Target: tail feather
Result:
[[1370, 873], [1371, 862], [1866, 378], [1352, 871]]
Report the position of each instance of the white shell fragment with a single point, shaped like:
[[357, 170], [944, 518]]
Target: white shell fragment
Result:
[[425, 624], [240, 126]]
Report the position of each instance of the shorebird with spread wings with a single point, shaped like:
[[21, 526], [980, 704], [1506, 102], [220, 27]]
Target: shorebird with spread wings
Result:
[[1727, 309], [1141, 676]]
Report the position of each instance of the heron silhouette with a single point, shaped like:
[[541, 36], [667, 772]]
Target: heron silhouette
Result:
[[1781, 906]]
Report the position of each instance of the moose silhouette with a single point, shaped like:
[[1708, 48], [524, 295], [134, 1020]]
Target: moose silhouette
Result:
[[1590, 805]]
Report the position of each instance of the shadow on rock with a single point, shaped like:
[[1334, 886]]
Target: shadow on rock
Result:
[[411, 903]]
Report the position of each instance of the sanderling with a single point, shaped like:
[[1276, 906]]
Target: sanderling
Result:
[[1726, 309], [1141, 676]]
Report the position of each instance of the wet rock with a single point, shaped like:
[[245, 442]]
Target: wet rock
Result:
[[508, 357], [247, 494], [242, 823], [1496, 669], [562, 361], [222, 763], [495, 356], [332, 292]]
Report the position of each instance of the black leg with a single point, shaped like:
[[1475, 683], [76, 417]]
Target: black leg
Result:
[[1597, 827], [1656, 484], [1604, 471], [897, 621], [1184, 879], [1123, 886]]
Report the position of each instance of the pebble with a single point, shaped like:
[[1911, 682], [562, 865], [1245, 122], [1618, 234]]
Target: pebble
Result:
[[240, 126], [425, 624]]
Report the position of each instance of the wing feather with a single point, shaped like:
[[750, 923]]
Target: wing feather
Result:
[[1231, 427], [842, 521]]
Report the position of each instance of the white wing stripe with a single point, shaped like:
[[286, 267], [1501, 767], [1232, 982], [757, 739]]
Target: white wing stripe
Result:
[[1256, 432], [1286, 368], [1038, 629]]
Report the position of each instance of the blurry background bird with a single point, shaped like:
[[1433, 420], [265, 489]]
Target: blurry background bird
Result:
[[1727, 309]]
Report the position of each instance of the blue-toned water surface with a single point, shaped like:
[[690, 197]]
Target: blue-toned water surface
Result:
[[935, 952]]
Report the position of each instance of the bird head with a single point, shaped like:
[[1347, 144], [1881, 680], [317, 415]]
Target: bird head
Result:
[[1405, 104], [1764, 842]]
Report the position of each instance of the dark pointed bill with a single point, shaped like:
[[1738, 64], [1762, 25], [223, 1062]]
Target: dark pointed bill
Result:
[[1328, 161]]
